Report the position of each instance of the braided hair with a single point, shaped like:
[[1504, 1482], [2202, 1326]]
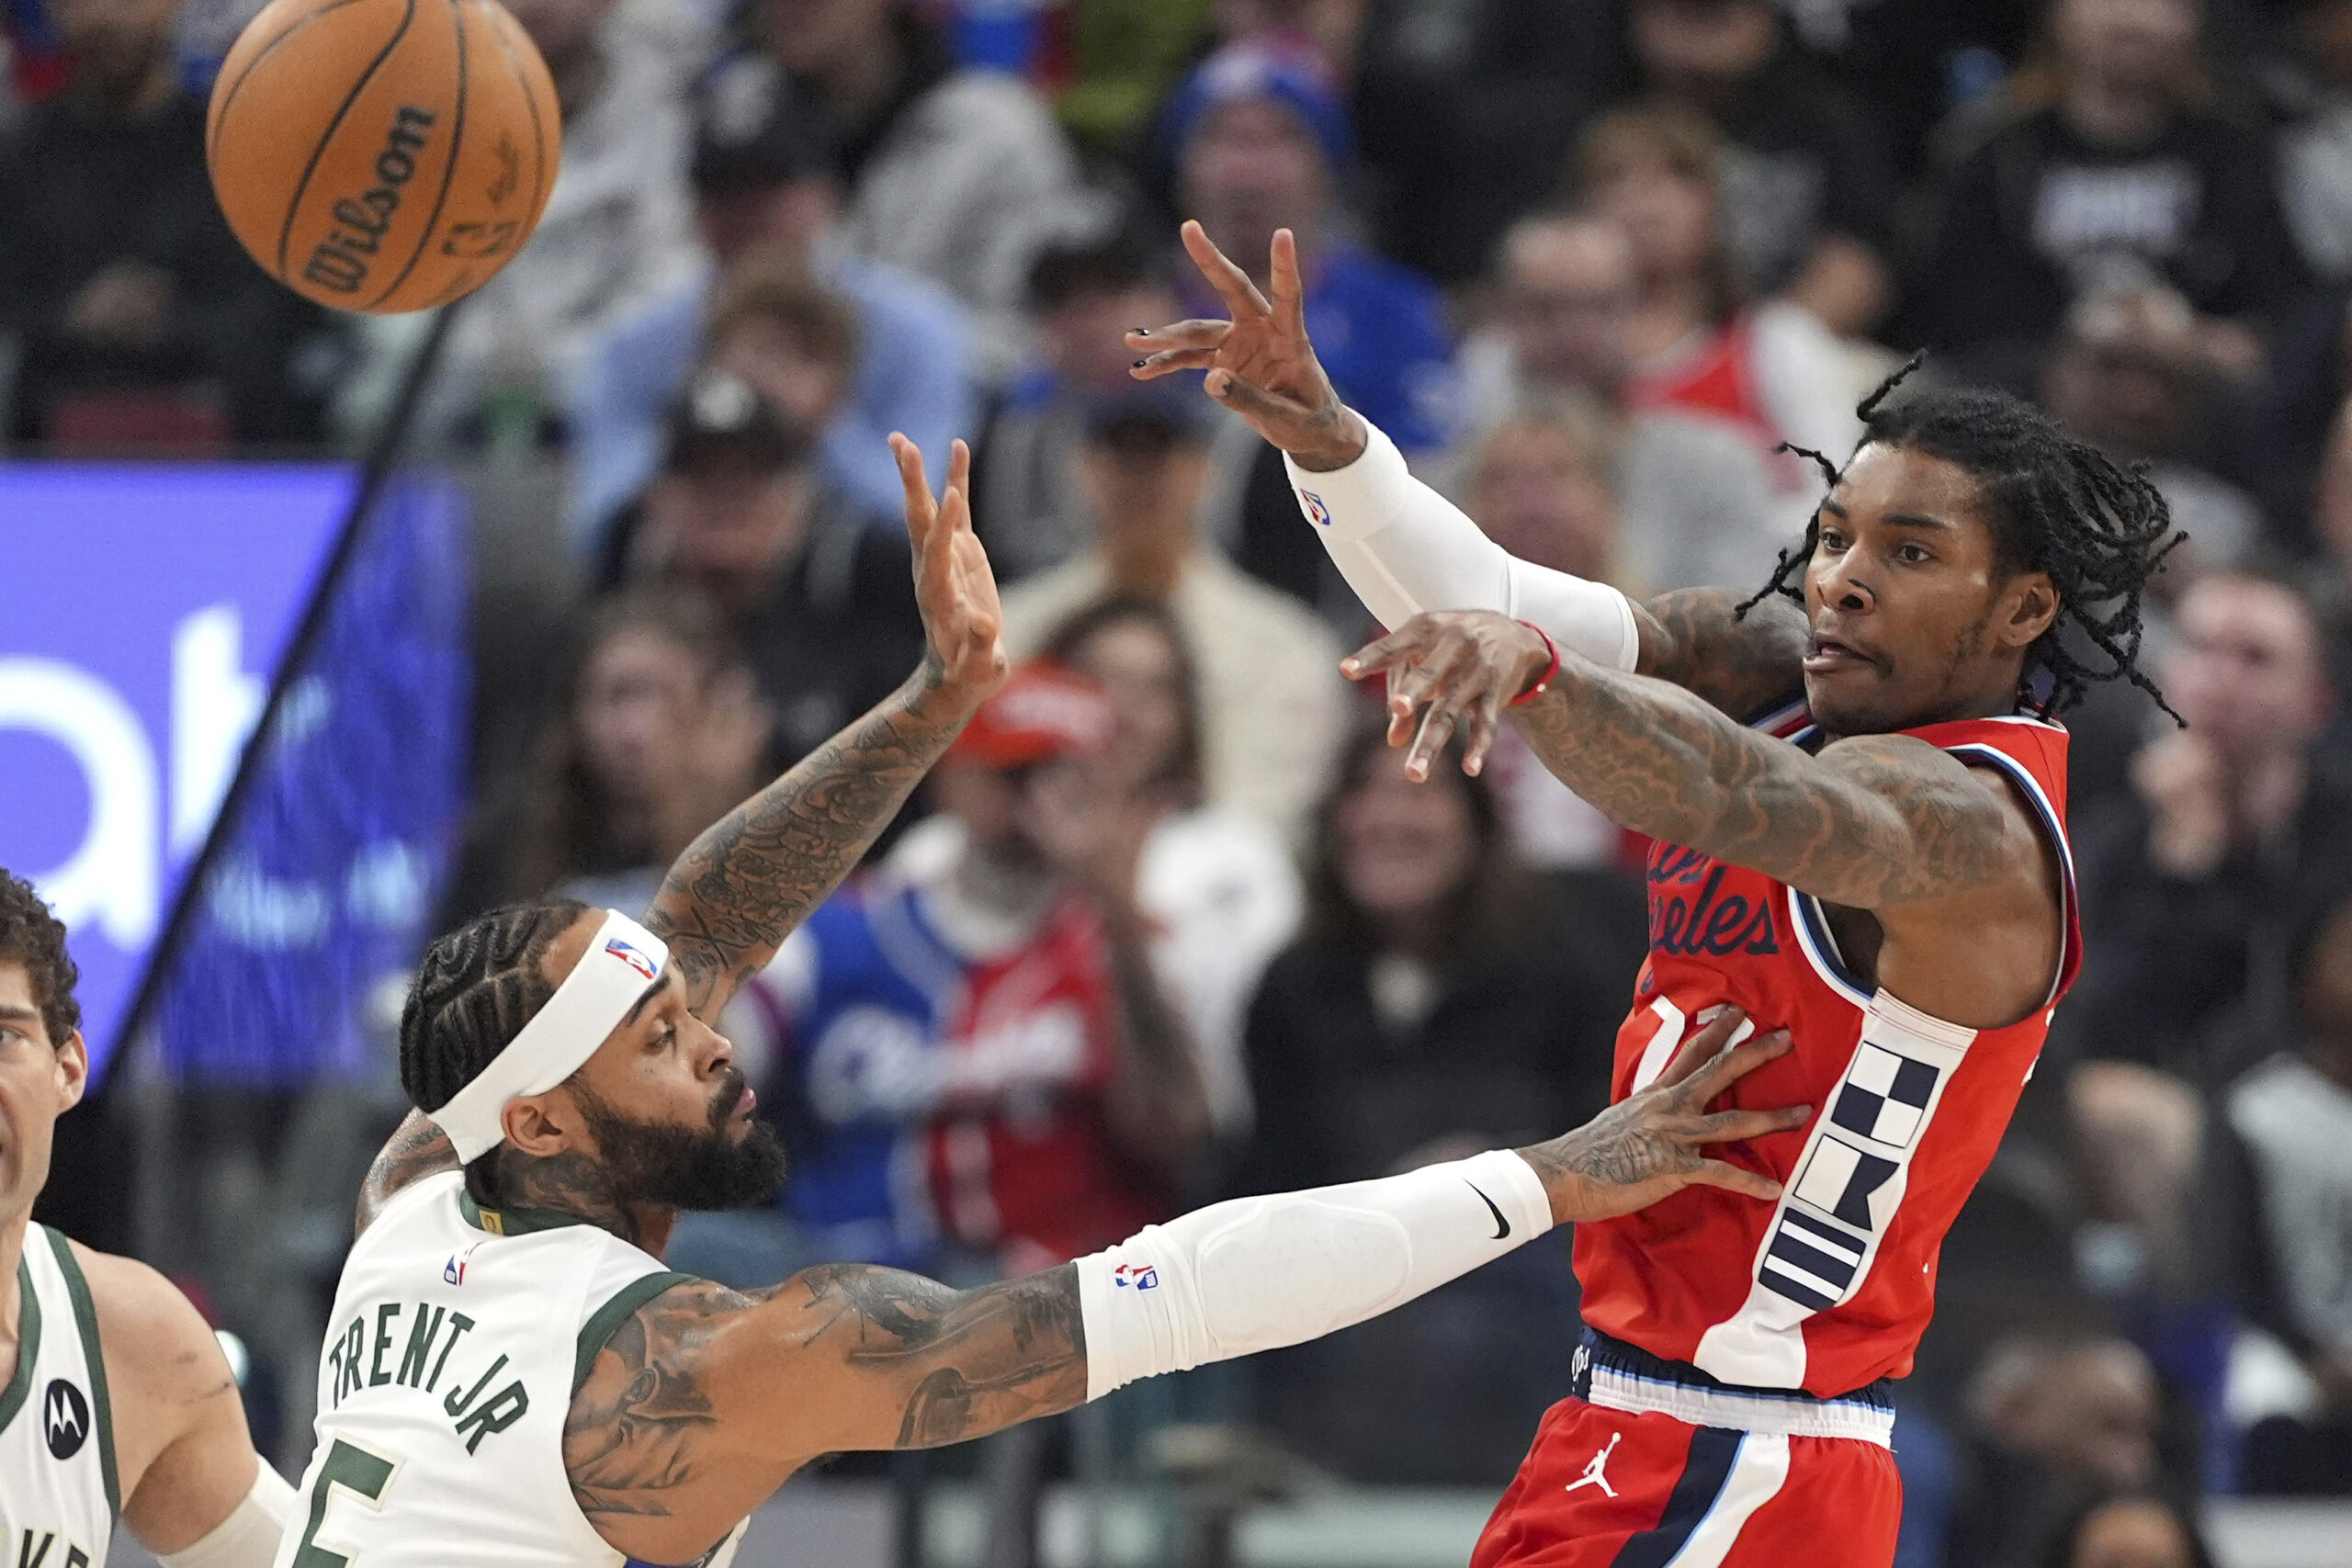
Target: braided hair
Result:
[[475, 990], [2057, 505]]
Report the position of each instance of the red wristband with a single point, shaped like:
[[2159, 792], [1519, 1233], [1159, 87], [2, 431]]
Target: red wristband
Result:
[[1544, 682]]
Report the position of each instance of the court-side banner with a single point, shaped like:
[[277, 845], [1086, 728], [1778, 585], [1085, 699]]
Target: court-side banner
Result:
[[148, 607]]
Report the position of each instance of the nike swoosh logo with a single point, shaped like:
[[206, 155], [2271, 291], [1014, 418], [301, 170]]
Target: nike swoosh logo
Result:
[[1502, 1227]]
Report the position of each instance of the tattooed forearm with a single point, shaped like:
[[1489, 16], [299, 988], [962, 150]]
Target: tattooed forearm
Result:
[[979, 1360], [416, 1149], [1744, 665], [740, 888], [1888, 820]]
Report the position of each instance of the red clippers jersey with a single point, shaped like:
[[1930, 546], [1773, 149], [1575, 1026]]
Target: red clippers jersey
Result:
[[1831, 1287]]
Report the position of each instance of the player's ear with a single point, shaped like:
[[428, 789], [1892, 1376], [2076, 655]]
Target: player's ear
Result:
[[73, 1071], [540, 1124], [2032, 605]]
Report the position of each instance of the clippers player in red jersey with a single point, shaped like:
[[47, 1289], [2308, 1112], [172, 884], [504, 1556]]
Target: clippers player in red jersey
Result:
[[1857, 798]]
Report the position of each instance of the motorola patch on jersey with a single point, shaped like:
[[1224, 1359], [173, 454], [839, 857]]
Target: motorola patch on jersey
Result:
[[65, 1419]]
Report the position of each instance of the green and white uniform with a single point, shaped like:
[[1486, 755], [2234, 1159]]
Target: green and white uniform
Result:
[[58, 1493], [458, 1337]]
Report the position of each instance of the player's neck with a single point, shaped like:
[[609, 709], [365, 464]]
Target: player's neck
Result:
[[576, 1187], [13, 1232]]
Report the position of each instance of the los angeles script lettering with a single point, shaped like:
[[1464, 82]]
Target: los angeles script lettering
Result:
[[1691, 915]]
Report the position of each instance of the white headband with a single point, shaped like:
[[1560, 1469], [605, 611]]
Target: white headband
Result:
[[622, 960]]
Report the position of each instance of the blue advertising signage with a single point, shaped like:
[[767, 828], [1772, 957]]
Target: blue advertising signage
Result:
[[148, 608]]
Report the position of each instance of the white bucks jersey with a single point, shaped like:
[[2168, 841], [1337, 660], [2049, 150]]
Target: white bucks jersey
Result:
[[458, 1337], [58, 1493]]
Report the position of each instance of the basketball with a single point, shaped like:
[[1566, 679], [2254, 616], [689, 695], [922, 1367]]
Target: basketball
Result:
[[383, 155]]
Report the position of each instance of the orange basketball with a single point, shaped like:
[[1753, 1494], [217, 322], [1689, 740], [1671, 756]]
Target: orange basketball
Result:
[[383, 154]]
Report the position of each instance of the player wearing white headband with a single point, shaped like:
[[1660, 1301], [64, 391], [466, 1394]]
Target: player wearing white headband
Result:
[[511, 1376]]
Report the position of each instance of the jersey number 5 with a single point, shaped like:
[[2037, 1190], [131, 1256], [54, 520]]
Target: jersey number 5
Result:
[[360, 1473]]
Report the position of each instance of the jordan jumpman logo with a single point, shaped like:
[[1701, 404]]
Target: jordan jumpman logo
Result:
[[1595, 1473]]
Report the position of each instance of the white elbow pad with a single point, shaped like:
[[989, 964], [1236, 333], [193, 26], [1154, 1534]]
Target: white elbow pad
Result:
[[1258, 1273], [250, 1535], [1405, 548]]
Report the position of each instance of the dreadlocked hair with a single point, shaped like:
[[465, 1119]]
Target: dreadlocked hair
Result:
[[475, 990], [2056, 505]]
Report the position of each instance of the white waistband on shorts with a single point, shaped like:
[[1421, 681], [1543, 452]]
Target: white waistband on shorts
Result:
[[1616, 1389]]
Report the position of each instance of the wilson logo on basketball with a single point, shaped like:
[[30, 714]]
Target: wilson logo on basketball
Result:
[[340, 260]]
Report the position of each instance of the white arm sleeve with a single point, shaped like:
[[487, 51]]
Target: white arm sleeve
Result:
[[1258, 1273], [249, 1536], [1405, 548]]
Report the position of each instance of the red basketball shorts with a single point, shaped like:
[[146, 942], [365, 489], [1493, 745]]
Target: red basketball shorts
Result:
[[1612, 1488]]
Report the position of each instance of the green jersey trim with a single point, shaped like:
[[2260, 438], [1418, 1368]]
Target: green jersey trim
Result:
[[12, 1398], [607, 1319], [513, 1222], [85, 1317]]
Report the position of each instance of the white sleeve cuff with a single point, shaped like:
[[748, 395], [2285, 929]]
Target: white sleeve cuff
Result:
[[1258, 1273]]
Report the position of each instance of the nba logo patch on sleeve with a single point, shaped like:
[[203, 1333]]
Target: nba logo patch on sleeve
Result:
[[1317, 513]]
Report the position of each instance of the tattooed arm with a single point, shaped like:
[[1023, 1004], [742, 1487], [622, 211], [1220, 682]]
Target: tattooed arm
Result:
[[1745, 665], [739, 890], [1870, 822], [705, 1400]]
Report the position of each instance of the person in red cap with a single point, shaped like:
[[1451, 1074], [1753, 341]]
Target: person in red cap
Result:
[[996, 1082]]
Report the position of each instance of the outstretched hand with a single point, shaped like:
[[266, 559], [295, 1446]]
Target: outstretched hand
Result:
[[962, 622], [1260, 364], [1647, 1146], [1449, 670]]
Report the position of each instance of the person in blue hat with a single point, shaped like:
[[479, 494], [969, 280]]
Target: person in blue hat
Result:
[[1257, 140]]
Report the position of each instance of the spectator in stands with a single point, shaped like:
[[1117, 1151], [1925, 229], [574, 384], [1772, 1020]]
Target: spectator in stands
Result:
[[655, 731], [2127, 376], [822, 596], [1695, 493], [2332, 584], [2312, 91], [1028, 499], [1217, 890], [1272, 704], [2055, 1418], [2135, 1528], [1808, 186], [2113, 170], [961, 175], [2186, 887], [767, 194], [138, 320], [1700, 342], [2293, 1114], [616, 232], [988, 1075], [1540, 484], [1441, 1000], [1258, 138]]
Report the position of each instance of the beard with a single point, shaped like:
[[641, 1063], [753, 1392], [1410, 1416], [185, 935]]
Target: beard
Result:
[[687, 1166]]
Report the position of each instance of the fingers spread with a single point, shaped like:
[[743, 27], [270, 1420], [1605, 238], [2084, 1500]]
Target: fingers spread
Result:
[[1702, 1047], [1196, 333], [959, 467], [1437, 728], [1485, 718], [1737, 1063], [1232, 284], [1718, 1173], [1375, 657], [1152, 366], [1290, 295]]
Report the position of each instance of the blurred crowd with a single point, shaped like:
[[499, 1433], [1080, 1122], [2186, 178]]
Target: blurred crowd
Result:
[[1168, 924]]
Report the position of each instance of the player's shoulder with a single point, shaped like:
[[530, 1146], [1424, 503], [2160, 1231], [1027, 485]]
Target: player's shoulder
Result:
[[157, 1345]]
